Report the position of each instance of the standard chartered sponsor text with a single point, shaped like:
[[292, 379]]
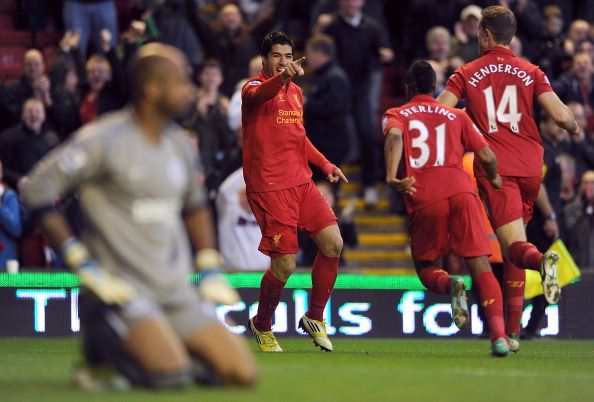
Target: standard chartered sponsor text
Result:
[[289, 117]]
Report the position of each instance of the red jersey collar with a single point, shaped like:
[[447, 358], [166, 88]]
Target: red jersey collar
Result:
[[499, 49], [423, 98]]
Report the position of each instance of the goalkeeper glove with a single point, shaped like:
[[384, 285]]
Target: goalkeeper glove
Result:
[[110, 289], [213, 285]]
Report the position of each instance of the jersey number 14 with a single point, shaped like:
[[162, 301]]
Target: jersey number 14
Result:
[[506, 111]]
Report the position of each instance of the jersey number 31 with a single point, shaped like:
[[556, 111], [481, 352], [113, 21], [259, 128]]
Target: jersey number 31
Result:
[[420, 142]]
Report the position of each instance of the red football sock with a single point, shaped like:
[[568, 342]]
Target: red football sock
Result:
[[524, 255], [323, 277], [435, 279], [492, 302], [514, 280], [271, 290]]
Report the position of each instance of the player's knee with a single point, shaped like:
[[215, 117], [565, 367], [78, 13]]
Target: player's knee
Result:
[[241, 375], [332, 248]]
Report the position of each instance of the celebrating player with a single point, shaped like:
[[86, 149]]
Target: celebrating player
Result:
[[134, 173], [444, 211], [281, 193], [500, 89]]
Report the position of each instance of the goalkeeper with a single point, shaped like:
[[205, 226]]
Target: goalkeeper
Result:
[[135, 175]]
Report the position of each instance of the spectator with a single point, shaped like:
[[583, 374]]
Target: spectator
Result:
[[234, 110], [438, 42], [578, 32], [239, 232], [174, 28], [64, 116], [33, 82], [10, 223], [327, 108], [233, 42], [548, 51], [22, 145], [583, 145], [579, 222], [91, 17], [216, 141], [103, 89], [360, 45], [577, 85], [465, 45]]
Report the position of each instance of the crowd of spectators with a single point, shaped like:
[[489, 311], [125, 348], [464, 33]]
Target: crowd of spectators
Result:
[[357, 52]]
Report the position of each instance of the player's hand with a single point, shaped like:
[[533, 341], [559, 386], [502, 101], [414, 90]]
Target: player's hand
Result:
[[497, 182], [405, 185], [336, 175], [106, 37], [551, 228], [213, 285], [293, 69], [109, 288]]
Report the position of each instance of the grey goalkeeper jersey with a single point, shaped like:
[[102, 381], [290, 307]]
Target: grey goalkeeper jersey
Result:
[[133, 194]]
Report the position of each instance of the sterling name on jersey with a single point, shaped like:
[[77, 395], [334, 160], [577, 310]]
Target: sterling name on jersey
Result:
[[500, 89]]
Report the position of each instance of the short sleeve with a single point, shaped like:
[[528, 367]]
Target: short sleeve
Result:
[[455, 84], [75, 162], [391, 120], [472, 138], [542, 83]]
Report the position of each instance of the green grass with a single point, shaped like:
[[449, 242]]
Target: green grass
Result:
[[38, 370]]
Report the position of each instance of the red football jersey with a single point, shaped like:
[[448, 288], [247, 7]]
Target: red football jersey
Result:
[[274, 140], [435, 138], [500, 90]]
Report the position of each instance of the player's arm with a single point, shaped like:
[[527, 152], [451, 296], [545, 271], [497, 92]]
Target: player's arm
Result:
[[393, 147], [199, 225], [315, 157], [447, 98], [53, 177], [543, 203], [256, 92], [559, 112], [488, 161]]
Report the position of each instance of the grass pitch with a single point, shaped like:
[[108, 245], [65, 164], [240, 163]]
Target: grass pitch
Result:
[[38, 370]]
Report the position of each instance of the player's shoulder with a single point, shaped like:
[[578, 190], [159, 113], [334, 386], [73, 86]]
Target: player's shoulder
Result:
[[107, 128], [253, 82]]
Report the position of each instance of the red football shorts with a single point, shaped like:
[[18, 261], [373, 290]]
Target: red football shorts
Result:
[[515, 200], [281, 213], [455, 224]]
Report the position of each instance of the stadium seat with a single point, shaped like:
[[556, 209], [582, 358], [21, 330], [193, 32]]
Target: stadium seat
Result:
[[11, 61], [15, 38]]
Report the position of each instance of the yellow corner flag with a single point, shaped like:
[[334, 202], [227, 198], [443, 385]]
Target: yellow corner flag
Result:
[[567, 271]]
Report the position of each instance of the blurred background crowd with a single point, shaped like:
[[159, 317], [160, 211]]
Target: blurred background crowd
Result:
[[62, 65]]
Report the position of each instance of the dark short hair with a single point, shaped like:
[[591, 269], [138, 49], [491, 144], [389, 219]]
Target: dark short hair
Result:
[[211, 63], [420, 77], [501, 22], [275, 38], [551, 12], [323, 43]]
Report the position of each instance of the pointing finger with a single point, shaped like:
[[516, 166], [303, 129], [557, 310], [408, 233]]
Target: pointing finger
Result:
[[299, 61]]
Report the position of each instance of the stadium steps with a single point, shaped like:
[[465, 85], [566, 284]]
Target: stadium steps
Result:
[[383, 240]]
